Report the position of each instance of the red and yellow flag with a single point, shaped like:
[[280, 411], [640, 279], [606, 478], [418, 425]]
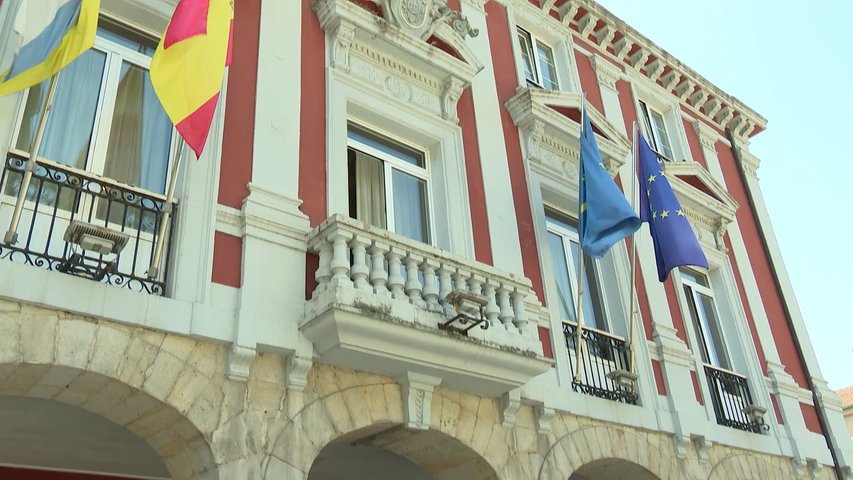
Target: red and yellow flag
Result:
[[188, 66]]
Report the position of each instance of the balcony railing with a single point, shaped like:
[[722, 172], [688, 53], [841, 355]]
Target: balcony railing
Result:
[[604, 359], [732, 400], [59, 194], [388, 304]]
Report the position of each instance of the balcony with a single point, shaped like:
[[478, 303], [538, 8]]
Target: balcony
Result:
[[604, 364], [390, 305], [60, 196], [732, 401]]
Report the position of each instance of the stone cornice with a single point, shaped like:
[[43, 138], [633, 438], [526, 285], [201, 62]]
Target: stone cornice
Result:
[[617, 40]]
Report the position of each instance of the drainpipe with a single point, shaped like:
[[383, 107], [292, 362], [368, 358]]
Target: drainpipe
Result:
[[830, 443]]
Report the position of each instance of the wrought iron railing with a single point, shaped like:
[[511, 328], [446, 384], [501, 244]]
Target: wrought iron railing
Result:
[[604, 358], [732, 400], [59, 195]]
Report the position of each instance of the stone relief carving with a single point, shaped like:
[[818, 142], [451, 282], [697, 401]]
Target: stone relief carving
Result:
[[421, 18]]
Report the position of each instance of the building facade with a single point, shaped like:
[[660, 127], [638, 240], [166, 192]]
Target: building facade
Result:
[[370, 271]]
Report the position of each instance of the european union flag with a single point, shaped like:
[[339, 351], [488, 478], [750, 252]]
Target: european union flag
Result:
[[606, 217], [675, 242]]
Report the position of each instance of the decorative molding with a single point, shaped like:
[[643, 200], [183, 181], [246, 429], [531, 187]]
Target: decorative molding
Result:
[[296, 374], [671, 349], [417, 398], [543, 416], [510, 403], [274, 218], [606, 73], [421, 18], [681, 445], [702, 446], [393, 55], [707, 136], [239, 362]]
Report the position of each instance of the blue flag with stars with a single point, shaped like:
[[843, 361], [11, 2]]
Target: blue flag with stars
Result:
[[606, 217], [675, 242]]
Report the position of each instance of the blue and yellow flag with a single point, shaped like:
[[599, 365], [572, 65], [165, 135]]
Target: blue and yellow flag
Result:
[[675, 243], [46, 36], [606, 217]]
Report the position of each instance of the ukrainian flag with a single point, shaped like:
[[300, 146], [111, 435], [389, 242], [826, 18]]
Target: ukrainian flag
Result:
[[45, 36]]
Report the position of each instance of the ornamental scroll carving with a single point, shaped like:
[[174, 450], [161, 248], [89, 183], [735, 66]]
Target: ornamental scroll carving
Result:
[[421, 18]]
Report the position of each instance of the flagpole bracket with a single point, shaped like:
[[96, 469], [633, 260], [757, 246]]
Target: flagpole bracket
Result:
[[470, 312]]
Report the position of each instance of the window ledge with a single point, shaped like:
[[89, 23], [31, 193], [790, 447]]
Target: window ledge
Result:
[[550, 123], [397, 59]]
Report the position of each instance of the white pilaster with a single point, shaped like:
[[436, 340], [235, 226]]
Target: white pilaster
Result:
[[503, 223]]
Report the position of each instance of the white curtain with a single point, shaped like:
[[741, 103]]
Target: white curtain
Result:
[[410, 210], [370, 190]]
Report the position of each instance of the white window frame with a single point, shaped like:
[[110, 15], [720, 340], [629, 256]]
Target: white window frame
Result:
[[532, 50], [653, 128], [602, 324], [712, 356], [115, 54], [390, 163], [550, 33]]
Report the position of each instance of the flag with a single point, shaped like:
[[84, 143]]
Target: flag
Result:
[[46, 35], [188, 66], [606, 217], [674, 240]]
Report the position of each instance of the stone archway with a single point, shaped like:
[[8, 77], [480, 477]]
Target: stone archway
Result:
[[753, 466], [367, 410], [591, 449], [609, 468], [144, 381]]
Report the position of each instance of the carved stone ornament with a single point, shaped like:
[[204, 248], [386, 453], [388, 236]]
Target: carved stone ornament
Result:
[[421, 18], [239, 362], [417, 398]]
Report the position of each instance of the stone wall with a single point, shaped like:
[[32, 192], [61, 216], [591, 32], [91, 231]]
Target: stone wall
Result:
[[173, 392]]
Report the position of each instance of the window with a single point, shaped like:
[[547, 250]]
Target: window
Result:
[[538, 62], [706, 323], [563, 242], [105, 118], [655, 128], [388, 184]]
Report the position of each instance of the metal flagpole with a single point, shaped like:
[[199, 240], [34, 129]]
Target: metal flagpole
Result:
[[12, 234], [154, 269], [632, 301], [579, 266]]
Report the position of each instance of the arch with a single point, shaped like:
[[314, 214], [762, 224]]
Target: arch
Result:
[[366, 409], [596, 446], [607, 468], [745, 465], [145, 381]]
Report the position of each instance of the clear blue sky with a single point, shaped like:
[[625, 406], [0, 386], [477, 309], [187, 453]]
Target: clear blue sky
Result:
[[790, 62]]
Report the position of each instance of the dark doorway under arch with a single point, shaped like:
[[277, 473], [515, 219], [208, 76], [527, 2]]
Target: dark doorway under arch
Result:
[[612, 469]]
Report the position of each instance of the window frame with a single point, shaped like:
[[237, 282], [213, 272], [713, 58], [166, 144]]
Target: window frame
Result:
[[652, 130], [712, 354], [603, 324], [115, 55], [532, 50], [390, 163]]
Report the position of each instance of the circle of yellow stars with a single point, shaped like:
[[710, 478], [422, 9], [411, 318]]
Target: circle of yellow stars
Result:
[[665, 213]]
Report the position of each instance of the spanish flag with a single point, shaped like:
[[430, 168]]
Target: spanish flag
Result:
[[46, 35], [189, 63]]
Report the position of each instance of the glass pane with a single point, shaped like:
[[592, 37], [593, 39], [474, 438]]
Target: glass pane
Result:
[[546, 66], [527, 58], [660, 134], [697, 329], [410, 206], [366, 189], [562, 276], [385, 145], [693, 276], [714, 337], [69, 125], [590, 304], [126, 37], [140, 134]]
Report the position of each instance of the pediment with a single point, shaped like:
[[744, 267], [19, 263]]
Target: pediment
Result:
[[550, 121], [706, 201], [428, 65]]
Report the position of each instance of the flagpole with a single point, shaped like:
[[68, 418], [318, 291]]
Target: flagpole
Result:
[[12, 234], [579, 266], [632, 300], [154, 269]]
